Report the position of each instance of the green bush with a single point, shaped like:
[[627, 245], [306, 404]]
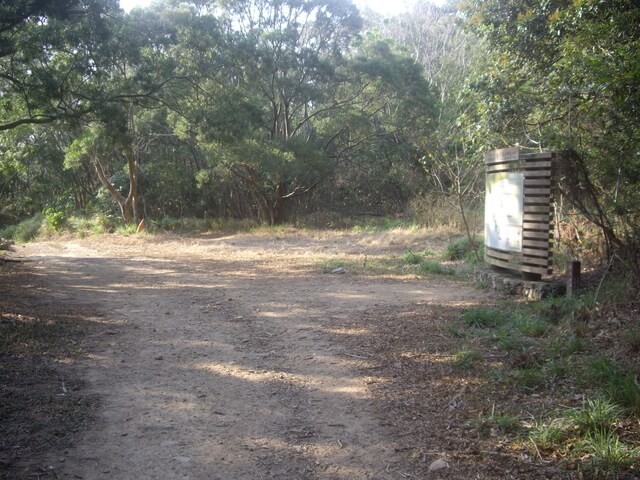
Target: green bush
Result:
[[25, 231], [55, 218]]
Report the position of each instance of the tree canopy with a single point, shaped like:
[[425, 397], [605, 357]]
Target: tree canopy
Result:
[[263, 108]]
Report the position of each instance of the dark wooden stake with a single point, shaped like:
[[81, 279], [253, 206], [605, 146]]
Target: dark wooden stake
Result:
[[573, 277]]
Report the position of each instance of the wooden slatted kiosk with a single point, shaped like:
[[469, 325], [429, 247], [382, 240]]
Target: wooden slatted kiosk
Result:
[[518, 213]]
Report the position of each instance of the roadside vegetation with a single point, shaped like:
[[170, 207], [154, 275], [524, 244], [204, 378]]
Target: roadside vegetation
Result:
[[581, 354]]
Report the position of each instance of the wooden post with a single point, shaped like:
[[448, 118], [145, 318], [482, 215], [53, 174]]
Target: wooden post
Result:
[[573, 277]]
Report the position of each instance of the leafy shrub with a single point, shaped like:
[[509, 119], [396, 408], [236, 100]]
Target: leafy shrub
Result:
[[25, 231], [55, 218]]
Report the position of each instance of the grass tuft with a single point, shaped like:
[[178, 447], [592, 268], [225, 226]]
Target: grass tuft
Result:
[[549, 435], [617, 385], [606, 455], [598, 415], [498, 423], [411, 258], [466, 358], [436, 268], [483, 317]]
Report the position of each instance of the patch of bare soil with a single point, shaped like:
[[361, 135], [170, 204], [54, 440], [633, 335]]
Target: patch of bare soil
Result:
[[43, 400], [442, 412], [239, 357]]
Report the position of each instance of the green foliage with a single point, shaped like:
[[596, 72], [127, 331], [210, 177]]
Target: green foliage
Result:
[[463, 249], [528, 379], [411, 258], [616, 384], [25, 231], [498, 422], [530, 326], [550, 435], [544, 352], [55, 218], [606, 455], [96, 224], [466, 358], [588, 435], [436, 268], [484, 317], [599, 415], [560, 75]]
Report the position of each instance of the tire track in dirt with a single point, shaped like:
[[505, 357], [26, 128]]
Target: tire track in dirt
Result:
[[221, 368]]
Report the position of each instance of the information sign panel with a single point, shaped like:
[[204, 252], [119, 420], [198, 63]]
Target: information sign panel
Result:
[[504, 207]]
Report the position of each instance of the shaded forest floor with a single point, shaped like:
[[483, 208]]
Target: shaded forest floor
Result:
[[245, 357]]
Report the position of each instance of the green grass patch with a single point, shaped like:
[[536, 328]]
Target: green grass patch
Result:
[[598, 415], [606, 456], [548, 348], [411, 258], [466, 358], [615, 383], [484, 317], [498, 423], [464, 249], [528, 380], [530, 326], [431, 267]]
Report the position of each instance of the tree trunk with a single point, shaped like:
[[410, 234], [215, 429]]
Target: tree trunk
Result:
[[129, 205], [278, 204]]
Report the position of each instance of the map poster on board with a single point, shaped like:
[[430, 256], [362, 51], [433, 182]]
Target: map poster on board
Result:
[[503, 211]]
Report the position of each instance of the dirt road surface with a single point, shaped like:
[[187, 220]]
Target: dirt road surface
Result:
[[222, 357]]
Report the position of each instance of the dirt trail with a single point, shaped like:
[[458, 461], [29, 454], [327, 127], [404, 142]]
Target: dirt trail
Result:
[[223, 357]]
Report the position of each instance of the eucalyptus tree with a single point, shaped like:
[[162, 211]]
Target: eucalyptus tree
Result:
[[136, 73], [48, 59], [288, 55], [375, 138], [451, 57], [321, 99], [86, 69]]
